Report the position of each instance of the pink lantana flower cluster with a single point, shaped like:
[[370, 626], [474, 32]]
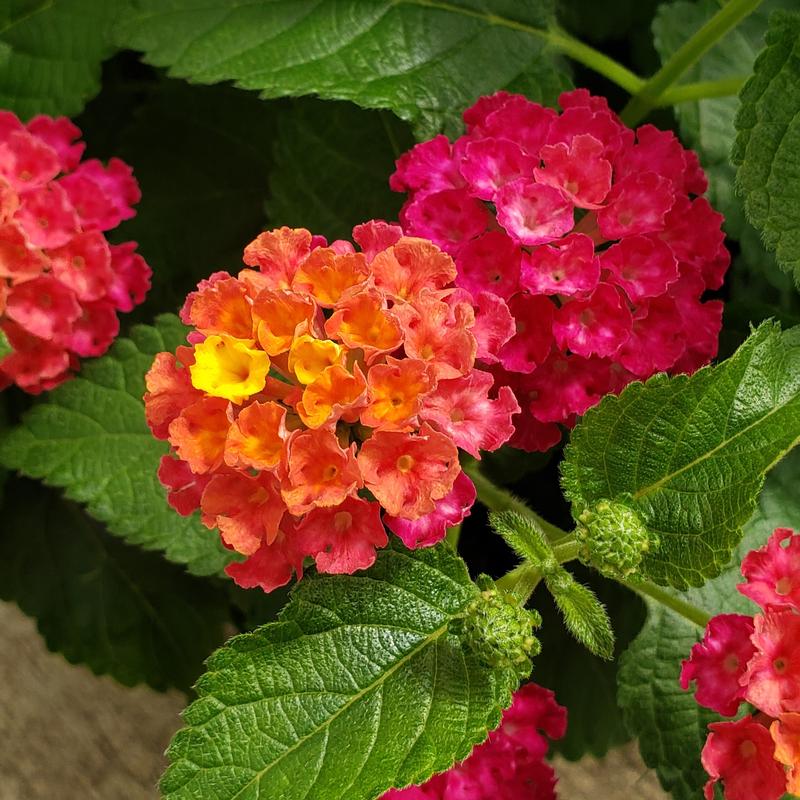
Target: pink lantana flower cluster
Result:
[[61, 282], [586, 246], [754, 659], [323, 398], [510, 764]]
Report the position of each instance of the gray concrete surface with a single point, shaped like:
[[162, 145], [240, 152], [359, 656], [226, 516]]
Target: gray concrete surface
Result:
[[66, 734]]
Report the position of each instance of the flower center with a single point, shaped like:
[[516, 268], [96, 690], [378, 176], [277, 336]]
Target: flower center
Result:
[[330, 472], [731, 663], [342, 521], [747, 749], [783, 586], [779, 665], [404, 463]]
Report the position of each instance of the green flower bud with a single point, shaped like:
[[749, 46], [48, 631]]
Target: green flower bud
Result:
[[499, 630], [613, 538]]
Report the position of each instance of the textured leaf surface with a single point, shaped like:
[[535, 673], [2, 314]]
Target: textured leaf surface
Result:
[[90, 439], [202, 156], [689, 453], [767, 147], [359, 687], [423, 59], [50, 53], [332, 167], [99, 601], [670, 725]]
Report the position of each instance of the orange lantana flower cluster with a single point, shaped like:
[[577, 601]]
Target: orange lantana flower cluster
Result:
[[323, 395]]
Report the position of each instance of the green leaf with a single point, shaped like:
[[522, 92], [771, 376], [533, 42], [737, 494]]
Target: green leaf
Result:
[[50, 53], [90, 439], [359, 687], [586, 684], [5, 347], [767, 147], [99, 601], [689, 453], [707, 125], [202, 156], [669, 723], [584, 615], [332, 164], [423, 60]]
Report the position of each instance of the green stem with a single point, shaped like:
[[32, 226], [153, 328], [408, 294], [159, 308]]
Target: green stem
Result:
[[453, 535], [649, 96], [558, 39], [594, 59], [523, 579], [497, 499], [702, 90], [686, 610]]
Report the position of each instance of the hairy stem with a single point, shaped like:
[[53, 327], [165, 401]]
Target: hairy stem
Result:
[[681, 607], [649, 96], [497, 499]]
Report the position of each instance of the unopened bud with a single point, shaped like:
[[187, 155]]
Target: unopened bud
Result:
[[613, 538], [499, 630]]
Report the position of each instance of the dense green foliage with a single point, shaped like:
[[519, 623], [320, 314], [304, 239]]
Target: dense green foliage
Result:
[[366, 681]]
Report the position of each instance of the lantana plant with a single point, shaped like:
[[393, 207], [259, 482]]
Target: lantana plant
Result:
[[430, 421]]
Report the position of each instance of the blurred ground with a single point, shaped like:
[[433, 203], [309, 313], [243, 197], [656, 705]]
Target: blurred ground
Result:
[[66, 734]]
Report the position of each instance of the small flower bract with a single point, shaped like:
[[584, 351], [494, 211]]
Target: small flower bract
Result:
[[587, 246], [322, 387], [61, 282]]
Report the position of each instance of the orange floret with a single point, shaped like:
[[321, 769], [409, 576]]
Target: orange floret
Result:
[[319, 473], [278, 314], [332, 395], [411, 266], [308, 357], [278, 253], [246, 509], [364, 321], [198, 434], [223, 307], [256, 438], [394, 390], [327, 275], [169, 391], [408, 472], [439, 334]]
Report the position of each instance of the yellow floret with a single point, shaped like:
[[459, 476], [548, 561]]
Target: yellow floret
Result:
[[308, 357], [229, 368]]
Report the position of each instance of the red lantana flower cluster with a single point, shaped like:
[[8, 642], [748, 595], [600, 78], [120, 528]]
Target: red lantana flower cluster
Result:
[[319, 389], [61, 282], [511, 763], [586, 246], [755, 659]]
